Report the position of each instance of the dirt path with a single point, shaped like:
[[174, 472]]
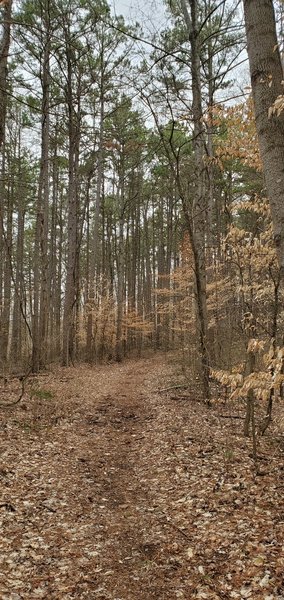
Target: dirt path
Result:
[[112, 491]]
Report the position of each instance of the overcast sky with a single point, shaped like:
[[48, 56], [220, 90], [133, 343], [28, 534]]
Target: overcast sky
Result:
[[149, 13], [152, 16]]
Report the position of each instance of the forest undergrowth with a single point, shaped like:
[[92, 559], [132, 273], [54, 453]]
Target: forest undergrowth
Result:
[[118, 483]]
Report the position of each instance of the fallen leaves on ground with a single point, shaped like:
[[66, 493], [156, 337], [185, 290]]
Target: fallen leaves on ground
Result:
[[110, 490]]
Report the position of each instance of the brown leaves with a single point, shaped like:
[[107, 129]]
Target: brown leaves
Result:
[[277, 107], [240, 141], [132, 495]]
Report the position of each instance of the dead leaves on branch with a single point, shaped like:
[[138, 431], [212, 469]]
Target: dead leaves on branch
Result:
[[277, 107], [260, 381], [237, 139]]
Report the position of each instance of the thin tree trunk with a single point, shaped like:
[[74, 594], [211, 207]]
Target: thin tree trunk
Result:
[[44, 295], [53, 344], [40, 314], [5, 321], [4, 52], [160, 277], [198, 227], [6, 238], [70, 286], [120, 266], [16, 339], [94, 244], [58, 284], [250, 397]]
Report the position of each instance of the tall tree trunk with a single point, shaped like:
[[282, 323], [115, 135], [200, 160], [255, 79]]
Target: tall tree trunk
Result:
[[53, 261], [120, 292], [58, 283], [6, 240], [4, 52], [94, 242], [266, 80], [120, 264], [44, 295], [16, 339], [160, 277], [198, 227], [148, 266], [5, 320], [40, 316], [70, 287]]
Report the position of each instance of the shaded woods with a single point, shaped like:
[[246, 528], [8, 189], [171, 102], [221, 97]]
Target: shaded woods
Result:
[[141, 301], [134, 215]]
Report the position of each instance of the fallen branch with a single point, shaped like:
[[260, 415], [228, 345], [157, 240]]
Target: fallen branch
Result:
[[22, 379], [169, 522], [231, 417], [180, 397], [49, 508], [172, 387]]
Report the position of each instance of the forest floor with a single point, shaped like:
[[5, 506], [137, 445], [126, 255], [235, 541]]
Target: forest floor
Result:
[[112, 489]]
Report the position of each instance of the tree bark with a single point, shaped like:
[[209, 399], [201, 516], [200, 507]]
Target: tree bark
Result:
[[40, 313], [71, 276], [4, 52], [198, 225], [16, 338], [7, 283], [266, 80], [6, 239], [44, 296], [120, 264], [94, 242]]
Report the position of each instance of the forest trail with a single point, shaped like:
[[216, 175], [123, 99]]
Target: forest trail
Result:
[[110, 490]]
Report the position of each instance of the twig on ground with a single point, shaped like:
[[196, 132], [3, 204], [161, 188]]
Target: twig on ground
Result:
[[231, 417], [22, 379], [172, 387], [169, 522]]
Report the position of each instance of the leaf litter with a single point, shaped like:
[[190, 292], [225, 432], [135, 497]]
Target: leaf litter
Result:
[[110, 490]]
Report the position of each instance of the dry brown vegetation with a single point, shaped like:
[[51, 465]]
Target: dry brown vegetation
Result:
[[112, 489]]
